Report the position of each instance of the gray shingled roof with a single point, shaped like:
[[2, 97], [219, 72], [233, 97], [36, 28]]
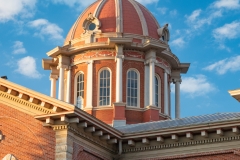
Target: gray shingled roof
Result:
[[188, 121]]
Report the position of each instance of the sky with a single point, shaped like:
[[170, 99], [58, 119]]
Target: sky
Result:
[[203, 33]]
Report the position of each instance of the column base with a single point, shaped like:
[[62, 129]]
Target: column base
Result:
[[151, 113], [119, 118], [117, 123]]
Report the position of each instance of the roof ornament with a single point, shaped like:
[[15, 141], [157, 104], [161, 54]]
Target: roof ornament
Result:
[[164, 33], [91, 24], [90, 17]]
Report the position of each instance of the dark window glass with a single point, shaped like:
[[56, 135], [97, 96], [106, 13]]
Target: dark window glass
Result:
[[132, 88], [104, 92]]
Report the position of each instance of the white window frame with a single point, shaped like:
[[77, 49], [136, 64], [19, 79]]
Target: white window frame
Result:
[[138, 87], [75, 87], [110, 96], [159, 90]]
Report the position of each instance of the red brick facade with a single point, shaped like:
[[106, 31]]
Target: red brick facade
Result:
[[107, 115], [82, 153], [24, 136], [216, 155]]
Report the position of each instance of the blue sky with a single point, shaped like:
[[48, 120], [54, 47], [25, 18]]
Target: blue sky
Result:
[[203, 33]]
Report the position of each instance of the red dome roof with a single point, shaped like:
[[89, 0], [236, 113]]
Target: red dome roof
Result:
[[119, 16]]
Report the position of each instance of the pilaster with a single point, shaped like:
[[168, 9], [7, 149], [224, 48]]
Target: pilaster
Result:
[[166, 94], [68, 93], [62, 66], [64, 144], [89, 84], [119, 59], [151, 60]]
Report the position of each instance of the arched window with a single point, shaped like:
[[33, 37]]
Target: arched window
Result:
[[104, 87], [132, 89], [157, 91], [80, 90]]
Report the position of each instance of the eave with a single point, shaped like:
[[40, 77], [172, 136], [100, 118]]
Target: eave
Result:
[[235, 94]]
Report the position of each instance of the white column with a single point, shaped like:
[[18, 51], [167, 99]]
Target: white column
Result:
[[119, 59], [146, 84], [152, 82], [89, 84], [68, 94], [61, 82], [177, 97], [53, 79], [166, 93]]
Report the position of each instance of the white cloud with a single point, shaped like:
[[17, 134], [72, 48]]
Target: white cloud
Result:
[[196, 22], [179, 42], [145, 2], [74, 3], [27, 67], [196, 86], [228, 31], [223, 66], [10, 9], [228, 4], [224, 47], [194, 15], [18, 48], [162, 10], [44, 28], [173, 12]]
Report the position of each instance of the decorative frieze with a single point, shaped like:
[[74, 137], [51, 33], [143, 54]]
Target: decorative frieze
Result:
[[25, 103], [93, 54], [181, 144], [163, 62], [134, 54]]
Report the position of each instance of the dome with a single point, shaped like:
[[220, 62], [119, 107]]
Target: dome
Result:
[[122, 17]]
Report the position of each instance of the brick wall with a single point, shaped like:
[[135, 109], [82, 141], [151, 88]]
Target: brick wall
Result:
[[24, 136], [104, 115], [214, 155], [133, 117]]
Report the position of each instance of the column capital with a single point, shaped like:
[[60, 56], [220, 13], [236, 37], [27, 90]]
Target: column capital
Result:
[[175, 80], [119, 49], [53, 76], [120, 56], [151, 60], [90, 62], [62, 66]]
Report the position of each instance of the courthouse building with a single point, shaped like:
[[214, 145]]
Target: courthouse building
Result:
[[114, 72]]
